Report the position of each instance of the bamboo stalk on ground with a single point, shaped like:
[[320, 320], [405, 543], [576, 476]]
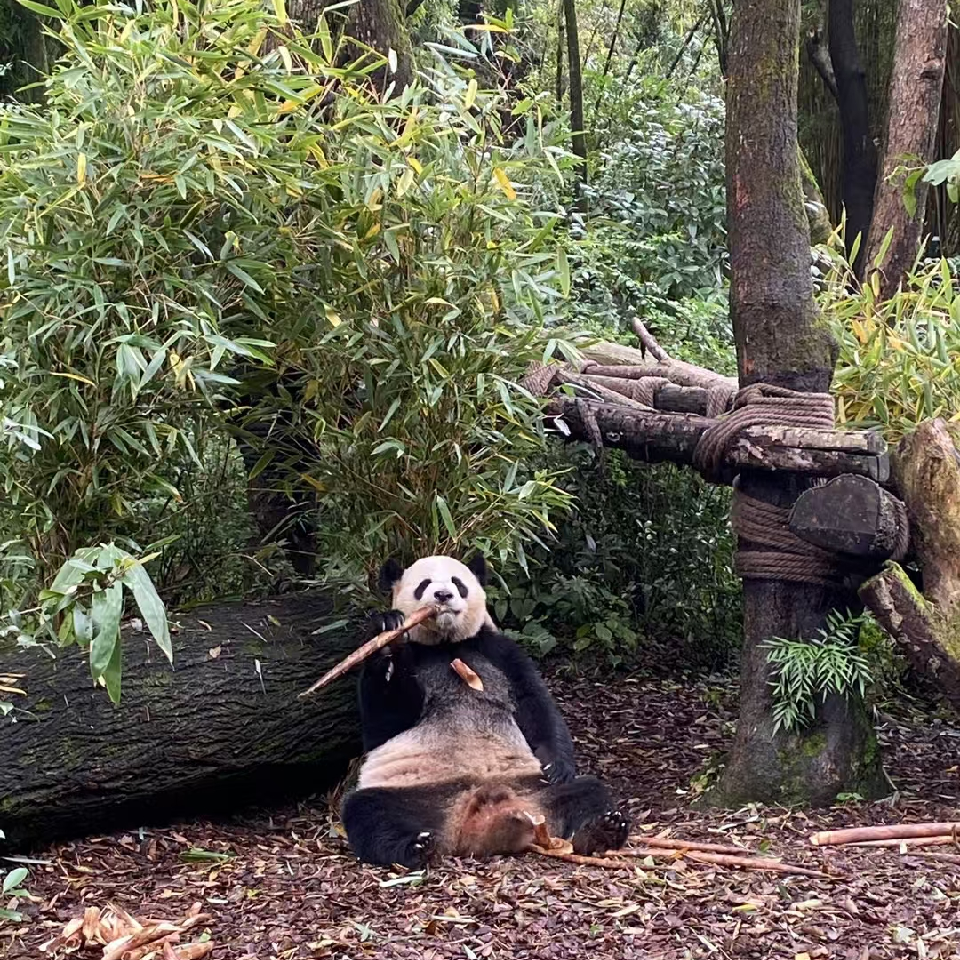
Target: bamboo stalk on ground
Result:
[[908, 842], [903, 831], [671, 843]]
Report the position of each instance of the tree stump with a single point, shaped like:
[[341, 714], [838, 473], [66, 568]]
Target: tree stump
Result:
[[221, 728]]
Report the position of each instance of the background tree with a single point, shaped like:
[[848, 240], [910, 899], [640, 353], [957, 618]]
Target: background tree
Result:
[[916, 87], [576, 93]]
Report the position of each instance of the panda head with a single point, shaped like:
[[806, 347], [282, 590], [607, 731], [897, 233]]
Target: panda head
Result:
[[456, 588]]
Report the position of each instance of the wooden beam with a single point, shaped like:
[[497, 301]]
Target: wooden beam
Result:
[[662, 437]]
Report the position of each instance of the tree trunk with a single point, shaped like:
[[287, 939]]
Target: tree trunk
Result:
[[576, 94], [859, 153], [223, 727], [378, 24], [561, 53], [779, 342], [26, 49], [912, 121]]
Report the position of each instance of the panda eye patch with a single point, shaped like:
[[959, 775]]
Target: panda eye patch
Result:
[[418, 593], [461, 589]]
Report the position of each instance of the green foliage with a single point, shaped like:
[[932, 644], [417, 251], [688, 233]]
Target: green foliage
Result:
[[948, 172], [144, 220], [84, 606], [900, 358], [183, 217], [404, 389], [659, 227], [646, 558], [806, 671], [13, 887]]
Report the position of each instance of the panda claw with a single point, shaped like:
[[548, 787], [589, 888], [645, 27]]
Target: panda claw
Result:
[[609, 831], [423, 848]]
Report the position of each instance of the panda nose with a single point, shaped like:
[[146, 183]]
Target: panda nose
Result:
[[442, 596]]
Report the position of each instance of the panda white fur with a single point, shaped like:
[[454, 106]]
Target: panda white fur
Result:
[[454, 770]]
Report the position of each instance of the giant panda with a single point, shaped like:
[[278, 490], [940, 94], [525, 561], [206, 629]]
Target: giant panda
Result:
[[392, 701], [463, 780]]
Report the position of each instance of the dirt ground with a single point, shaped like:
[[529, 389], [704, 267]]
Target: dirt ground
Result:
[[288, 887]]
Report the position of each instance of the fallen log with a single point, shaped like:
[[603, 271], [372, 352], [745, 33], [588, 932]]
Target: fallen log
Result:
[[902, 831], [221, 728]]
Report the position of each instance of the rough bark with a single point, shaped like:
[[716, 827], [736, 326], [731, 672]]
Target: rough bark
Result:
[[926, 470], [377, 24], [912, 121], [780, 342], [576, 94], [852, 515], [673, 438], [221, 728], [859, 153]]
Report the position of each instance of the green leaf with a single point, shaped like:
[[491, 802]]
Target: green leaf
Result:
[[242, 275], [106, 611], [446, 516], [112, 674], [40, 8], [151, 606], [14, 878]]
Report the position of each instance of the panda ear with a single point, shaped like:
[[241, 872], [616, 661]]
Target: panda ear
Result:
[[390, 573], [477, 565]]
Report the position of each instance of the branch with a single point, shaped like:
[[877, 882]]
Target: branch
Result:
[[649, 341], [916, 625], [820, 57]]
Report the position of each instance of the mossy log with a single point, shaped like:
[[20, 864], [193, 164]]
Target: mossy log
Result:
[[926, 470], [223, 727]]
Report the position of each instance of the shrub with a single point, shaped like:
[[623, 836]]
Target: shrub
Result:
[[404, 389], [646, 558], [900, 358]]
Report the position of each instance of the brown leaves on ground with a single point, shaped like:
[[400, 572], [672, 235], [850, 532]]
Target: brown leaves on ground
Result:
[[118, 935], [291, 890]]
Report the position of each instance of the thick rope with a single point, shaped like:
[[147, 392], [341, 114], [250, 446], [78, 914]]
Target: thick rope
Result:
[[787, 556], [645, 389], [761, 404], [776, 552], [902, 546]]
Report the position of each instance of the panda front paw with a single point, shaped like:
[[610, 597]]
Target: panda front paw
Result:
[[557, 771], [378, 623]]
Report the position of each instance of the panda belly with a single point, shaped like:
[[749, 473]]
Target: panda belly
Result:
[[419, 758]]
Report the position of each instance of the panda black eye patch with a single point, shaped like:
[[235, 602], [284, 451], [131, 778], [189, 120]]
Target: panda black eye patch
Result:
[[461, 589], [418, 593]]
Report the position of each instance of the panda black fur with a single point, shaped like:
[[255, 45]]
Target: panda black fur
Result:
[[464, 782], [391, 699], [385, 818]]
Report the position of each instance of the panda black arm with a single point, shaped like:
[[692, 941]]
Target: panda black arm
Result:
[[537, 714], [390, 699]]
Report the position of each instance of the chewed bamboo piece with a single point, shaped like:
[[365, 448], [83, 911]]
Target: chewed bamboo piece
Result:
[[903, 831], [467, 674], [372, 646]]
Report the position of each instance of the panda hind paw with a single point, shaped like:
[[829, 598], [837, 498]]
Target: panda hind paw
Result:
[[422, 849], [609, 831]]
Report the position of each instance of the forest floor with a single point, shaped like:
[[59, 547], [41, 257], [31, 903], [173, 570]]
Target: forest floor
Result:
[[289, 888]]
